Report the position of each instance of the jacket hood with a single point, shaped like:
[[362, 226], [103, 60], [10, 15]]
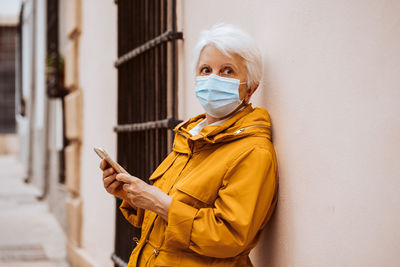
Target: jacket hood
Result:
[[248, 121]]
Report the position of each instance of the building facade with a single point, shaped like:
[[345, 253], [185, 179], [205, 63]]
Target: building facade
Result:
[[330, 85]]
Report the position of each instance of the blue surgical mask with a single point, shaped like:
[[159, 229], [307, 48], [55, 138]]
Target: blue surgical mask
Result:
[[218, 95]]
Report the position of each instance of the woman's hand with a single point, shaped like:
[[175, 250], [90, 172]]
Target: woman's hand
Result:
[[111, 185], [145, 196]]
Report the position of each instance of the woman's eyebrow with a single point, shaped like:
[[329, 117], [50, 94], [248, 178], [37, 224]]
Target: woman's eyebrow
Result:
[[203, 65], [229, 64]]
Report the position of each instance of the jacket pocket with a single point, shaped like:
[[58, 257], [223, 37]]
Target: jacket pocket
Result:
[[198, 197], [191, 198], [201, 184]]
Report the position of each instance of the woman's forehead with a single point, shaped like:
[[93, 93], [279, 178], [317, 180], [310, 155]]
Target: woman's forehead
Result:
[[212, 55]]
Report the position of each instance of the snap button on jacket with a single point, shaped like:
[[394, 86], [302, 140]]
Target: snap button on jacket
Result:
[[224, 185]]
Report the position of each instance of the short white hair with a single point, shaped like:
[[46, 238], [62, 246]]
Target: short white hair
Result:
[[231, 39]]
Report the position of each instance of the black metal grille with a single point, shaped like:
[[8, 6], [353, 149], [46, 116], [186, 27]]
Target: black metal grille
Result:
[[8, 45], [147, 69], [55, 71], [54, 62], [21, 106]]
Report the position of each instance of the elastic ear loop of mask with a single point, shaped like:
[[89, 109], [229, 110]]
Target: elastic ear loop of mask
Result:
[[243, 104]]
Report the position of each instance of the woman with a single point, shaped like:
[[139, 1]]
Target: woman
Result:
[[212, 196]]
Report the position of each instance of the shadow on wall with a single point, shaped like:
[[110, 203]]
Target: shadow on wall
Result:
[[265, 253]]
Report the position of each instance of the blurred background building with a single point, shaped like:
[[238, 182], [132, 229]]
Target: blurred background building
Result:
[[8, 45], [75, 74]]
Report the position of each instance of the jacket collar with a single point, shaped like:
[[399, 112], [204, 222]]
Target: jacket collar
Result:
[[248, 121]]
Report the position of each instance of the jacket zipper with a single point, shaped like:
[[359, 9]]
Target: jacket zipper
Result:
[[253, 126]]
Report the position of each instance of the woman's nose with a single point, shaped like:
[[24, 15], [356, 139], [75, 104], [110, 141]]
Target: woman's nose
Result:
[[214, 72]]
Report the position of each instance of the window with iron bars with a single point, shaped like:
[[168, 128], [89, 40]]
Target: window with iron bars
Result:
[[8, 47], [147, 96]]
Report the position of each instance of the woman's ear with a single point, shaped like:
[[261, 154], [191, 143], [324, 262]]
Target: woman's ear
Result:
[[255, 88], [250, 92]]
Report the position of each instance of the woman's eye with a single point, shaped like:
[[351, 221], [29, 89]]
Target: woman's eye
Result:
[[227, 71], [205, 70]]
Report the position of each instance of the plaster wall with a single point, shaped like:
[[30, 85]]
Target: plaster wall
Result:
[[98, 81], [39, 115], [23, 123], [331, 85], [58, 192]]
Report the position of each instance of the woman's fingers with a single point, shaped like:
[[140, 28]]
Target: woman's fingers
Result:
[[126, 178], [103, 164], [111, 184], [108, 172], [112, 188], [109, 180]]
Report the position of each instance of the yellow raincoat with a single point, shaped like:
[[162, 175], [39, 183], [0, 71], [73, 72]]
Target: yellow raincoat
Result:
[[224, 184]]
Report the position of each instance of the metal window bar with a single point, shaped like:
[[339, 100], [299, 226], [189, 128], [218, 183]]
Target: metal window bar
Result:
[[168, 123], [20, 100], [118, 261], [147, 81], [169, 35], [53, 73]]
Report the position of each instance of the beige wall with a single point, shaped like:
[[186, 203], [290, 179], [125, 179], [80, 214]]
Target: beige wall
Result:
[[97, 75], [331, 84]]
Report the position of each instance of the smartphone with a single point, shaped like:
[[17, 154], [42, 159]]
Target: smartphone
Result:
[[104, 155]]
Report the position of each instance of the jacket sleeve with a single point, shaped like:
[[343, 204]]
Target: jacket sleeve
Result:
[[132, 214], [135, 215], [242, 208]]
